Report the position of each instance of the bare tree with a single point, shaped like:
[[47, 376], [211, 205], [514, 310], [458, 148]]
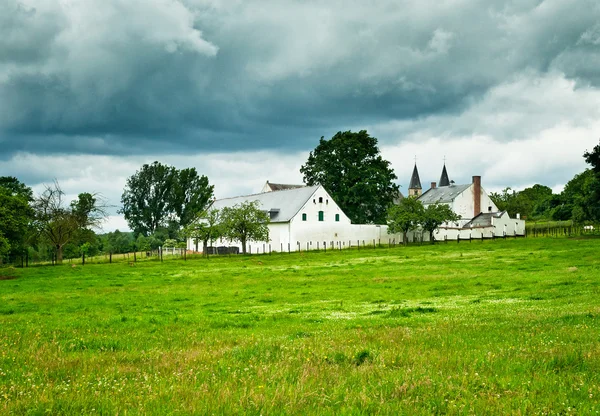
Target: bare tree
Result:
[[60, 223]]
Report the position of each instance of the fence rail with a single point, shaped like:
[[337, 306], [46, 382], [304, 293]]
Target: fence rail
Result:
[[266, 249]]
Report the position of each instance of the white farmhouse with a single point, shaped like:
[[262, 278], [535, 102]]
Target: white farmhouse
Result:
[[304, 218]]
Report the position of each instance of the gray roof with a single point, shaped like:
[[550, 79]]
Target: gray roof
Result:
[[283, 205], [415, 181], [444, 181], [484, 219], [443, 194]]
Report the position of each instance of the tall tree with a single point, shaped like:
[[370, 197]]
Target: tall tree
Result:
[[16, 216], [16, 187], [245, 222], [405, 216], [191, 194], [157, 195], [352, 170], [60, 223], [593, 158], [434, 216]]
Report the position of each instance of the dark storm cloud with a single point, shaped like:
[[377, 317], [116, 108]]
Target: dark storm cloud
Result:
[[145, 77]]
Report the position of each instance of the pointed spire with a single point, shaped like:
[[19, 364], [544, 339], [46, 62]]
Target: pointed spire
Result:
[[414, 189], [444, 181]]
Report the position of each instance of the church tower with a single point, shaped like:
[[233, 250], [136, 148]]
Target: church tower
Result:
[[414, 189], [444, 181]]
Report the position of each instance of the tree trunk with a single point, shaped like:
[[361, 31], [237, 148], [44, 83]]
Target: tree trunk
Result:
[[59, 254], [243, 246], [431, 237], [405, 238]]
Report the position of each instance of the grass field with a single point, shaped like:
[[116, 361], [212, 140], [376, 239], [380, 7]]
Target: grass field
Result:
[[494, 327]]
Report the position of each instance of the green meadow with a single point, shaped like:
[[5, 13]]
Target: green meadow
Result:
[[492, 327]]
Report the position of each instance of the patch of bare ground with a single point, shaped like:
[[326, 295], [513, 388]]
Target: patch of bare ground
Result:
[[7, 277]]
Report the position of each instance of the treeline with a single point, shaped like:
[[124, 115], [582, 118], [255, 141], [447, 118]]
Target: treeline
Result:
[[163, 206], [579, 202]]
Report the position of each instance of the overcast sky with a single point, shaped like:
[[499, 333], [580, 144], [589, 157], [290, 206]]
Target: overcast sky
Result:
[[243, 90]]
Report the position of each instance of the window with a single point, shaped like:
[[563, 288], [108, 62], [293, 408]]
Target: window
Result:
[[490, 209], [303, 217], [320, 200], [321, 216], [337, 217], [327, 201]]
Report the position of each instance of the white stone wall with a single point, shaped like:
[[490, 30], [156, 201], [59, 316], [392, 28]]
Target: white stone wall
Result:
[[464, 204]]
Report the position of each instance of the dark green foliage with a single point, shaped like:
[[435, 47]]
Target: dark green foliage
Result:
[[160, 196], [351, 169], [15, 216], [16, 187], [593, 158], [245, 222], [526, 202], [434, 216], [405, 216]]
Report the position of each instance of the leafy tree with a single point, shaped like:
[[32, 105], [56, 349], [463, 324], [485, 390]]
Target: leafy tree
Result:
[[580, 196], [15, 216], [142, 243], [206, 228], [593, 158], [158, 195], [191, 194], [434, 216], [245, 222], [405, 216], [118, 242], [170, 242], [59, 223], [350, 167], [4, 247], [16, 187], [525, 202]]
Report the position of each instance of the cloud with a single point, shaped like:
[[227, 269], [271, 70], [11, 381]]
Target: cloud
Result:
[[150, 77], [242, 90]]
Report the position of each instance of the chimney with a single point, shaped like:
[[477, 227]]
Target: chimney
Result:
[[433, 185], [476, 195]]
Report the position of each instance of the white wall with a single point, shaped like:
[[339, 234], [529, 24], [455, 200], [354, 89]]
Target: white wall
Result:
[[464, 204]]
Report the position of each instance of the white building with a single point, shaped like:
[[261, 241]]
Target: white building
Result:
[[304, 217], [479, 215]]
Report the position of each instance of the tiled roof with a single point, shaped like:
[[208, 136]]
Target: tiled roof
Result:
[[443, 194], [283, 205]]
